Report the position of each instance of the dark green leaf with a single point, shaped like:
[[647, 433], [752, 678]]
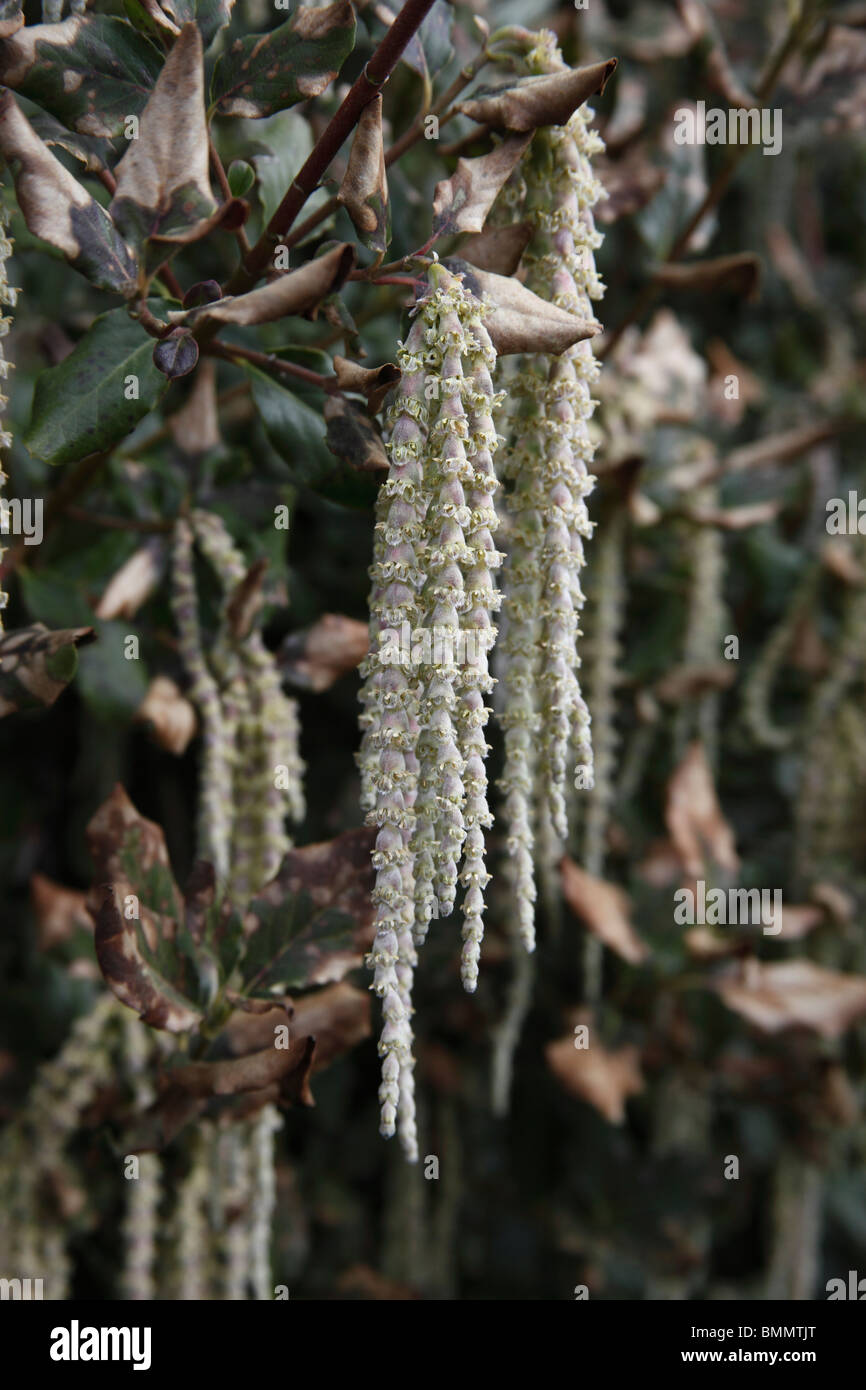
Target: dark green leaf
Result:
[[209, 15], [297, 431], [91, 73], [264, 73], [83, 405]]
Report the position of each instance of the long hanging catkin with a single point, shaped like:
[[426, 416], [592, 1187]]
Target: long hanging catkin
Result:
[[422, 755], [8, 298], [550, 450]]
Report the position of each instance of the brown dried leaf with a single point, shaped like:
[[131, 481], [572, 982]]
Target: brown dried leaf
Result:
[[838, 557], [297, 292], [461, 203], [57, 209], [497, 248], [737, 274], [352, 437], [520, 321], [795, 994], [364, 190], [163, 189], [59, 912], [171, 715], [245, 600], [694, 817], [36, 665], [372, 382], [630, 183], [111, 828], [318, 657], [531, 102], [195, 427], [251, 1072], [688, 682], [133, 584], [603, 1079], [605, 910], [737, 518]]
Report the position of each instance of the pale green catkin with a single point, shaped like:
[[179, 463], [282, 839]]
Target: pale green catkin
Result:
[[263, 1202], [702, 644], [757, 694], [8, 297], [32, 1148], [253, 772], [433, 592], [606, 615], [141, 1218], [191, 1252], [550, 450], [215, 797]]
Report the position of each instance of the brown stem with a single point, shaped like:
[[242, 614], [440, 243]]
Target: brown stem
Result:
[[230, 352], [120, 523], [227, 195], [363, 90]]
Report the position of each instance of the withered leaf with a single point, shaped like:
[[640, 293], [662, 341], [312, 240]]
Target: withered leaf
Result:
[[195, 427], [364, 190], [263, 73], [603, 1079], [497, 248], [297, 292], [461, 203], [132, 978], [163, 192], [694, 817], [687, 682], [352, 437], [372, 382], [315, 659], [245, 600], [170, 714], [520, 321], [737, 274], [59, 912], [531, 102], [36, 665], [314, 920], [338, 1017], [133, 583], [118, 836], [795, 993], [249, 1073], [11, 17], [604, 908], [61, 212], [737, 518], [630, 182]]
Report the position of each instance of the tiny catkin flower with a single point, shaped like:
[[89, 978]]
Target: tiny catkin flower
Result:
[[215, 802], [8, 298], [264, 1199], [550, 450], [191, 1222], [422, 754], [140, 1223]]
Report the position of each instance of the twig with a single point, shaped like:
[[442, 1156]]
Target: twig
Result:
[[376, 72], [230, 352], [120, 523], [225, 189]]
